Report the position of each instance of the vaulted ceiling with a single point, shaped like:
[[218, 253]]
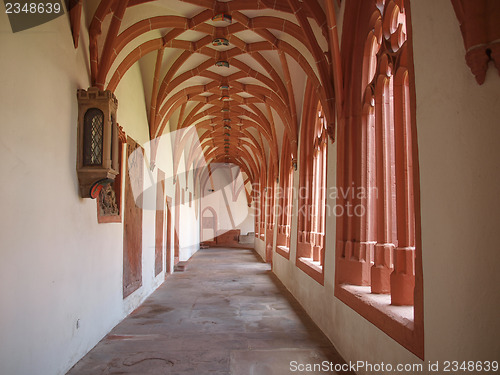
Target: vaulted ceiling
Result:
[[231, 72]]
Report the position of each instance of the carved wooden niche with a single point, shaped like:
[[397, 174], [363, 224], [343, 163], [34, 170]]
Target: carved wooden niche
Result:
[[98, 151]]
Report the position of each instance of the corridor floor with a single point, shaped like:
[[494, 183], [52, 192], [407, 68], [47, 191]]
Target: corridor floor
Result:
[[225, 314]]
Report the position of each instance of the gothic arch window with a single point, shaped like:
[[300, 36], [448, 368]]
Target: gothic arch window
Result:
[[378, 247], [263, 207], [256, 194], [259, 199], [285, 201], [312, 189], [270, 214]]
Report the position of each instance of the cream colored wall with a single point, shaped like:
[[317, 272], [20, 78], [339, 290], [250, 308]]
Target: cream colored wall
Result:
[[189, 235], [47, 255], [260, 248], [164, 162], [458, 130], [132, 116], [457, 122], [58, 266], [238, 210], [260, 243]]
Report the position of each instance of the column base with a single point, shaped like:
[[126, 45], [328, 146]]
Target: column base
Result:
[[403, 277], [316, 253], [402, 289], [355, 269], [381, 271], [364, 251]]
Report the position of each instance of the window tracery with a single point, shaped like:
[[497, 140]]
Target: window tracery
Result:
[[312, 190], [285, 201], [377, 250]]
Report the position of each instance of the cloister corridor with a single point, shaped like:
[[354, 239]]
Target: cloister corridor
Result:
[[226, 313], [249, 187]]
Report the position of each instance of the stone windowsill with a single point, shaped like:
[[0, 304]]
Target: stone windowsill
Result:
[[315, 265], [403, 315], [283, 248], [283, 251]]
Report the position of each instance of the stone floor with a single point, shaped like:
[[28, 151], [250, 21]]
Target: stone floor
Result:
[[225, 314]]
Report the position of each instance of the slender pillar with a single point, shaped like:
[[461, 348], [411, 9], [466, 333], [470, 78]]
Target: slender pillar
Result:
[[256, 203], [363, 250], [383, 254], [403, 277], [177, 223], [354, 264]]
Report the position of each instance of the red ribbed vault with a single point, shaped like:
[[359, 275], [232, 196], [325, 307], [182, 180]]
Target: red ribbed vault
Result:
[[232, 72]]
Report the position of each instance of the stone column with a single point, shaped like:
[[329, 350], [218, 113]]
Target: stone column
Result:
[[403, 277], [384, 127]]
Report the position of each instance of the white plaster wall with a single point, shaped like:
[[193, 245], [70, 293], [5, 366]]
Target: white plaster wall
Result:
[[189, 228], [132, 114], [52, 272], [458, 130], [57, 265], [238, 215], [457, 122], [260, 248], [189, 234], [134, 120], [164, 162]]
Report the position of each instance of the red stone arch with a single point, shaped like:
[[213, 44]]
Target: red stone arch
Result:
[[285, 201], [260, 25], [312, 188], [381, 249]]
